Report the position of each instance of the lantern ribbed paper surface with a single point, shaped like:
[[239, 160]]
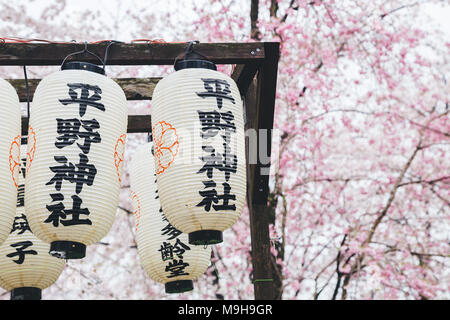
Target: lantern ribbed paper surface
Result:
[[164, 251], [198, 131], [25, 265], [9, 156], [76, 141]]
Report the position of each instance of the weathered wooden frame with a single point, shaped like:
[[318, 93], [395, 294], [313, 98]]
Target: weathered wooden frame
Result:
[[255, 72]]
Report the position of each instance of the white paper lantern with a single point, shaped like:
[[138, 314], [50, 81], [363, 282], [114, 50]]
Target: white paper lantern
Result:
[[198, 132], [9, 155], [77, 133], [164, 251], [26, 268]]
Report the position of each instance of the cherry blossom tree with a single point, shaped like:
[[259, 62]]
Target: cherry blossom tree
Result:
[[360, 194], [359, 197]]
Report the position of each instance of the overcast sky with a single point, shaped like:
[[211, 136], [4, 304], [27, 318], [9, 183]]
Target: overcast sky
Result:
[[184, 10]]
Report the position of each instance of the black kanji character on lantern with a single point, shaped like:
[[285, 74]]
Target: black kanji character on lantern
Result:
[[179, 248], [57, 210], [64, 172], [166, 251], [80, 174], [230, 160], [211, 196], [23, 167], [20, 195], [212, 121], [83, 98], [176, 268], [59, 213], [217, 88], [211, 161], [75, 213], [157, 197], [20, 223], [225, 162], [170, 230], [20, 251], [69, 132]]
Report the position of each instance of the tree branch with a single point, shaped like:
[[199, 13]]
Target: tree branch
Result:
[[254, 31], [339, 273], [397, 9]]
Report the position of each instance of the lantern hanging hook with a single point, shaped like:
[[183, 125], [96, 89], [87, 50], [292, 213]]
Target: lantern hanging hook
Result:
[[3, 43], [189, 49], [85, 50], [193, 59], [190, 46], [106, 51]]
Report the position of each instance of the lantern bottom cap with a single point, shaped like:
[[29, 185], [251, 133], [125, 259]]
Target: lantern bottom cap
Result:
[[205, 237], [67, 249], [179, 286], [26, 293]]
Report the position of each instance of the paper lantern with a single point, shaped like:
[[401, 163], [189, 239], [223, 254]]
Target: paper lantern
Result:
[[164, 251], [9, 156], [77, 133], [26, 268], [198, 132]]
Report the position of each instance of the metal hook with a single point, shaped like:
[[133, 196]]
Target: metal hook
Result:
[[190, 46], [189, 49], [106, 51], [85, 50], [3, 43]]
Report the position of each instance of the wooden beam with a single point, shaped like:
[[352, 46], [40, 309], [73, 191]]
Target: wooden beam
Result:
[[142, 88], [259, 231], [260, 102], [139, 123], [134, 88], [136, 124], [32, 54]]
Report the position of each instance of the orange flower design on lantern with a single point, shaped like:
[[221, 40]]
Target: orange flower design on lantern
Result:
[[32, 150], [14, 158], [165, 142], [137, 205], [118, 154]]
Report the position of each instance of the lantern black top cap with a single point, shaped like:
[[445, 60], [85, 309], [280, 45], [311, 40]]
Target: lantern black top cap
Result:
[[78, 65], [193, 59]]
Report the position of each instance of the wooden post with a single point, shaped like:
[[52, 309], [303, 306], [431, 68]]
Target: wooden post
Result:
[[260, 102]]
